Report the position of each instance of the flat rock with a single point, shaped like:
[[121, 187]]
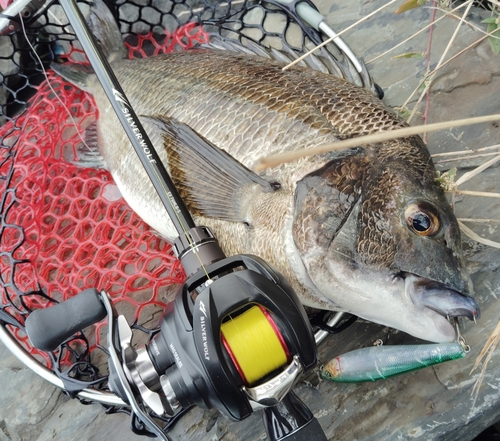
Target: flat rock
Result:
[[431, 404]]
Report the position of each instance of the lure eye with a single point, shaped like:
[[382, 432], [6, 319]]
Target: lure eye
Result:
[[422, 219]]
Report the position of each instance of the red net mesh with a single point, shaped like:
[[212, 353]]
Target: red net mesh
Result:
[[67, 228]]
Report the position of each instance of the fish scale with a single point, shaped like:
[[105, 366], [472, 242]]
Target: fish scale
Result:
[[374, 244]]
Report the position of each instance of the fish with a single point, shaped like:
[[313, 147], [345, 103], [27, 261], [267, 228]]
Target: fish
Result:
[[367, 231]]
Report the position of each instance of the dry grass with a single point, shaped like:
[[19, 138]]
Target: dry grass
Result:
[[274, 160]]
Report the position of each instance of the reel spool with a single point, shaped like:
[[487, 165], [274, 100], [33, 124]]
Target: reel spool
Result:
[[255, 344]]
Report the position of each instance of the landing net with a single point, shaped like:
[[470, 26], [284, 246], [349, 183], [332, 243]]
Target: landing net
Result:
[[65, 228]]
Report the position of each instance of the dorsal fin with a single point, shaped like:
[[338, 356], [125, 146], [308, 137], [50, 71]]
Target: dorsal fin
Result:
[[322, 60]]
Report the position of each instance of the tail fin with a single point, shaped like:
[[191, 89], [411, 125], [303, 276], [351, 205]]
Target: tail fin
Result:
[[105, 29]]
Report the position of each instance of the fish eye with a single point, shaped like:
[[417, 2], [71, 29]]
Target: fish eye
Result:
[[422, 218]]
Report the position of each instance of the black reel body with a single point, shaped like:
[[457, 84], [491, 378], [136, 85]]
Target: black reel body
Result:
[[188, 353]]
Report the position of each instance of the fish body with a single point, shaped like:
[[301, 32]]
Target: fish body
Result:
[[366, 231]]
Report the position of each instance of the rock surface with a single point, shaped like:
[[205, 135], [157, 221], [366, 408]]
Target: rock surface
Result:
[[432, 404]]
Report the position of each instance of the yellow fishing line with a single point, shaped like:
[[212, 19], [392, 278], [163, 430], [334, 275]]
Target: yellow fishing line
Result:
[[253, 344]]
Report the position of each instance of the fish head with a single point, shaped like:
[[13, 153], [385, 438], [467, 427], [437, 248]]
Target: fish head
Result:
[[379, 239]]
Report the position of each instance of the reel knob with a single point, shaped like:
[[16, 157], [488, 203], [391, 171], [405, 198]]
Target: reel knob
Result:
[[48, 328]]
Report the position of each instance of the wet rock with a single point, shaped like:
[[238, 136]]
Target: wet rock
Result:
[[431, 404]]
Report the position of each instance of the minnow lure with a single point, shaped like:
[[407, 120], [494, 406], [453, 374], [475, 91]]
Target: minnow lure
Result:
[[379, 362]]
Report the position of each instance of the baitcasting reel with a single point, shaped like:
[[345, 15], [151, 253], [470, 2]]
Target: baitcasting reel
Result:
[[235, 339], [199, 348]]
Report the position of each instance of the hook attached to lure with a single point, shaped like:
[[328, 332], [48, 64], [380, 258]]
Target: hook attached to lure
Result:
[[380, 362]]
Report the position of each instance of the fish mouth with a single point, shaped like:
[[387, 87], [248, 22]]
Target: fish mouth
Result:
[[439, 301]]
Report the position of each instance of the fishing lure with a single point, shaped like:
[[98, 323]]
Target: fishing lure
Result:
[[380, 362]]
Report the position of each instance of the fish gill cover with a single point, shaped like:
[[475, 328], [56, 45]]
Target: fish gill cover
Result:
[[65, 228]]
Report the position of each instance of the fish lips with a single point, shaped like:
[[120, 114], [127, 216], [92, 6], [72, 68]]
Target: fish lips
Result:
[[439, 298]]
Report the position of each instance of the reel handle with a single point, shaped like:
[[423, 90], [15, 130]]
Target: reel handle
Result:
[[291, 420], [48, 328]]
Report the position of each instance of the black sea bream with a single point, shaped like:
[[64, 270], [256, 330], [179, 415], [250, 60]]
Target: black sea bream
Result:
[[368, 231]]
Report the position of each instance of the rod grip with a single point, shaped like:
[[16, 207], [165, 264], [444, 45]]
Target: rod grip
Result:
[[48, 328]]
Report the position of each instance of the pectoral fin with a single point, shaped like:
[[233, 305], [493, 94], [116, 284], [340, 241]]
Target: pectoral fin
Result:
[[211, 182]]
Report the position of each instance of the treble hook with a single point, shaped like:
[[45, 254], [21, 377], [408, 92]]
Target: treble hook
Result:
[[460, 337]]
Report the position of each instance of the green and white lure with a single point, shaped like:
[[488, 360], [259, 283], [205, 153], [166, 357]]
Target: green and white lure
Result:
[[380, 362]]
